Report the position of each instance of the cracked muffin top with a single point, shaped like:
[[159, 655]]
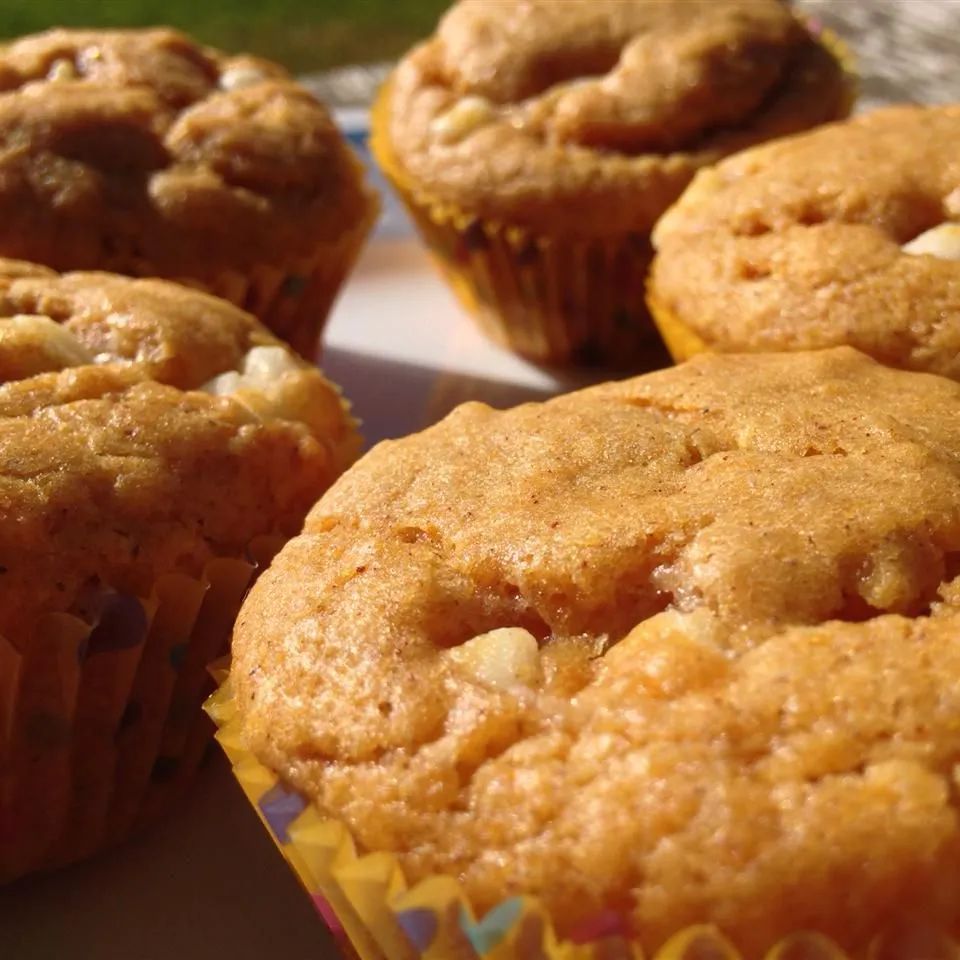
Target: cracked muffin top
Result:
[[132, 147], [145, 428], [683, 648], [846, 235], [591, 116]]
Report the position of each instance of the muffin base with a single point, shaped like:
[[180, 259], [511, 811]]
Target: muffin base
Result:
[[295, 301], [551, 299], [101, 727], [375, 915], [682, 342]]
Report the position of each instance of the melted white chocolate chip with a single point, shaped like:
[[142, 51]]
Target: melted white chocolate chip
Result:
[[273, 383], [62, 69], [466, 115], [942, 241], [504, 658], [60, 348], [261, 368], [951, 204], [234, 78]]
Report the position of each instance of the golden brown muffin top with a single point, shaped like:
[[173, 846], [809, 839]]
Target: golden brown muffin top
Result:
[[590, 116], [144, 428], [823, 239], [135, 147], [662, 647]]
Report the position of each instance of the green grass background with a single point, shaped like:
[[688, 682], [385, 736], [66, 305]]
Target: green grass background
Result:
[[303, 34]]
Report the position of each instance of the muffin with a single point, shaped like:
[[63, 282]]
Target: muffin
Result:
[[156, 446], [536, 142], [141, 153], [846, 235], [675, 651]]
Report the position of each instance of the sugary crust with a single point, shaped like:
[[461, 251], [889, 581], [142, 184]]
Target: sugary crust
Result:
[[797, 245], [115, 465], [747, 713], [140, 151], [600, 111]]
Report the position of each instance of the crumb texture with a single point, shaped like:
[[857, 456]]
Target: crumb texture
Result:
[[591, 115], [118, 463], [846, 235], [683, 647], [141, 152]]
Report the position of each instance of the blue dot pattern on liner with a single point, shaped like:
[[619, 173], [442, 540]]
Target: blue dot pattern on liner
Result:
[[178, 654], [164, 769], [420, 926], [122, 625], [491, 930], [293, 286], [280, 807]]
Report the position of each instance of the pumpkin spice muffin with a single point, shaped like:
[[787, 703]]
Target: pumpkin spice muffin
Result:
[[536, 142], [847, 235], [682, 649], [156, 443], [139, 152]]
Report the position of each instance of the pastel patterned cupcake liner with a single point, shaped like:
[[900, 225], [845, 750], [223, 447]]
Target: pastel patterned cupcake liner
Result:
[[376, 915], [101, 726]]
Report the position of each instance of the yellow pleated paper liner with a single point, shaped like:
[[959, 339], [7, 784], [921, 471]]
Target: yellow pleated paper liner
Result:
[[368, 905], [554, 300], [101, 724], [682, 342]]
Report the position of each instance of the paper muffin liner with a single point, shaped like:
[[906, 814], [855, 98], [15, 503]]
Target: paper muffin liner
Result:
[[101, 726], [294, 300], [553, 299], [682, 342], [374, 914]]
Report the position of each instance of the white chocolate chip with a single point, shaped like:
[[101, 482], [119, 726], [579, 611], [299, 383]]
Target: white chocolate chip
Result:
[[62, 69], [261, 367], [942, 241], [951, 203], [224, 384], [56, 342], [503, 658], [273, 383], [465, 116], [236, 77]]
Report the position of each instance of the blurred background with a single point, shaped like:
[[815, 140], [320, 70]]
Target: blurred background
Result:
[[305, 35], [905, 49]]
